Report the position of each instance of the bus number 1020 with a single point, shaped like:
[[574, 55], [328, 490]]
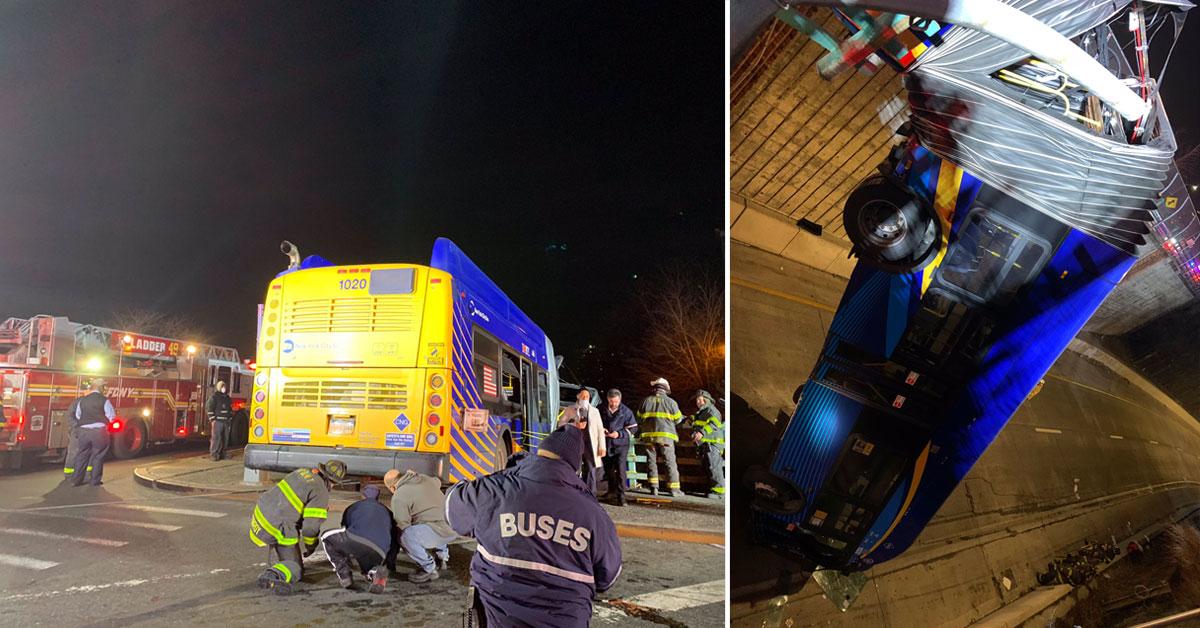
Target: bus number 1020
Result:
[[352, 284]]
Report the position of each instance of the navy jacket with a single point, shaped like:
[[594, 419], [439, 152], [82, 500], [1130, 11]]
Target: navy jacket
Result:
[[545, 545], [618, 422], [368, 519]]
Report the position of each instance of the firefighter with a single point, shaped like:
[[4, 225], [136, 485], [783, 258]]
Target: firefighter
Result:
[[545, 546], [709, 436], [658, 415], [93, 412], [619, 428], [288, 514], [73, 438], [220, 413]]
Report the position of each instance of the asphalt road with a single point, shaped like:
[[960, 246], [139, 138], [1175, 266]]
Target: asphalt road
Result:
[[126, 555]]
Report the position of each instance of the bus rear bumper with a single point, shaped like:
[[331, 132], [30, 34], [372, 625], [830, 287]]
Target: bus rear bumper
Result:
[[287, 458]]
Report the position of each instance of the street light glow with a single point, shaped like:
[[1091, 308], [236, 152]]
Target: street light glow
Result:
[[191, 349]]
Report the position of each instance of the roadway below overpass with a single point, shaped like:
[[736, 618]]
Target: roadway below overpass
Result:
[[1099, 454]]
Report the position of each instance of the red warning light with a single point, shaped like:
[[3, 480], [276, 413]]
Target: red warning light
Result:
[[181, 431], [115, 426]]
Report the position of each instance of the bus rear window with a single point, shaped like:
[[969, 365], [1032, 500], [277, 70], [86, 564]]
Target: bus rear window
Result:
[[392, 281]]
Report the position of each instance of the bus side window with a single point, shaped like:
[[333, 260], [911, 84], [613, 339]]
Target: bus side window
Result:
[[487, 352], [510, 380]]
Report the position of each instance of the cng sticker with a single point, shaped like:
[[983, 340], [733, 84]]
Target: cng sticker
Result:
[[392, 439], [401, 422]]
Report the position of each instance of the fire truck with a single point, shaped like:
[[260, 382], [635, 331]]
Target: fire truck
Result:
[[158, 386]]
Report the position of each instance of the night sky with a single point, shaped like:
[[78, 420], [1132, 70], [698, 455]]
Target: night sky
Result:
[[153, 154]]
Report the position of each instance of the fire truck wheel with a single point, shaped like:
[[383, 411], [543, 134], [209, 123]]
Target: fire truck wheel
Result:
[[130, 441], [239, 430]]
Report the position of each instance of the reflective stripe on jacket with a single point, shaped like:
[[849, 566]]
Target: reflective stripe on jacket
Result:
[[708, 422], [296, 504], [657, 417]]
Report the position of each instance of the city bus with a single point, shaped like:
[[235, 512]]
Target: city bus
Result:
[[397, 366], [985, 242]]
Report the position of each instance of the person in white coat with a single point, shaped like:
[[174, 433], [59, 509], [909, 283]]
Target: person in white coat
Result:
[[587, 418]]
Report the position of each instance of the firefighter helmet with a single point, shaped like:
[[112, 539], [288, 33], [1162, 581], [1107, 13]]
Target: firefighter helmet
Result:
[[334, 471]]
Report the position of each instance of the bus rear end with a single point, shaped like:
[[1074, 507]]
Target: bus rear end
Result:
[[354, 364]]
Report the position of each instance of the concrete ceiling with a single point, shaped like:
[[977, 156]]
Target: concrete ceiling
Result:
[[799, 143]]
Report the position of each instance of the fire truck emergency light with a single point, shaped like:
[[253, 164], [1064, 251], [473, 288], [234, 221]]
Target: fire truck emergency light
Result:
[[191, 349], [92, 364]]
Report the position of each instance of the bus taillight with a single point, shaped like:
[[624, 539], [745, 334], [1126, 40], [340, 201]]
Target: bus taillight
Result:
[[435, 400], [434, 419]]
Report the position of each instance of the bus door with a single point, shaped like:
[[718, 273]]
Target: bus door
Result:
[[532, 417]]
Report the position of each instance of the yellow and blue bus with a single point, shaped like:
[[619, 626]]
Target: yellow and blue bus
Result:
[[397, 366]]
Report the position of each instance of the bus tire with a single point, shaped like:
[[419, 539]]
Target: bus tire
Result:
[[771, 493], [889, 227], [503, 451], [130, 442]]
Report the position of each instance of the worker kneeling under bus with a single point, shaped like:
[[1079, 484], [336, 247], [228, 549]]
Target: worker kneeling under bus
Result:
[[288, 514]]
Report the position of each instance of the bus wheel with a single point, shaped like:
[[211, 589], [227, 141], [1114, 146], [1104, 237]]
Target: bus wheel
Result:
[[130, 441], [890, 228], [771, 493], [503, 451]]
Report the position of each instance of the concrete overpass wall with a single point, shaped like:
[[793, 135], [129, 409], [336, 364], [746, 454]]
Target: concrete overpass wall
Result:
[[1099, 453]]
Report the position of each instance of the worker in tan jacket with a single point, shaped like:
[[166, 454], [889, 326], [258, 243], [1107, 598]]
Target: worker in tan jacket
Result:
[[419, 509]]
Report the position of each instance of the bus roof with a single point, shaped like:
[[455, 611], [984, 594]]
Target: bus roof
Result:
[[492, 309]]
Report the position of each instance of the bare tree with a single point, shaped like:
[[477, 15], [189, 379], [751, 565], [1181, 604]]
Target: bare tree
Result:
[[682, 312], [155, 323]]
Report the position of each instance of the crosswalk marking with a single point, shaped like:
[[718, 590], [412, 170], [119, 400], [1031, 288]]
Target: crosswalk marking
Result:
[[65, 537], [172, 511], [680, 598], [124, 584], [28, 563], [162, 527]]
